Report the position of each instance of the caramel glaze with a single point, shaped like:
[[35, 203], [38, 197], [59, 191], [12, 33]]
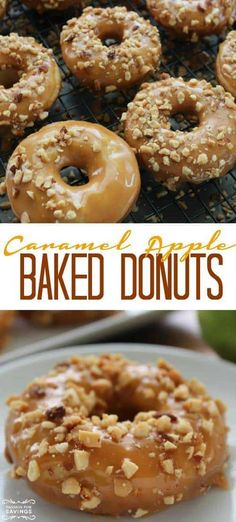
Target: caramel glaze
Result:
[[207, 151], [49, 5], [37, 86], [117, 66], [64, 436], [3, 5], [37, 192], [193, 18], [226, 63]]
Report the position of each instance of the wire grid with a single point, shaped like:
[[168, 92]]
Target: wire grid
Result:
[[212, 202]]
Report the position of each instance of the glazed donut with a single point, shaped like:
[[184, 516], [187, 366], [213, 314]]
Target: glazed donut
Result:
[[112, 437], [3, 5], [226, 63], [37, 192], [118, 66], [64, 317], [193, 18], [208, 151], [37, 84]]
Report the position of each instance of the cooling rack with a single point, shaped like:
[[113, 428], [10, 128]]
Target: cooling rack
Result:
[[212, 202]]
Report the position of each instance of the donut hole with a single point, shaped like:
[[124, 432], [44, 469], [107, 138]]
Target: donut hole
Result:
[[184, 121], [111, 36], [74, 176], [9, 77], [123, 413]]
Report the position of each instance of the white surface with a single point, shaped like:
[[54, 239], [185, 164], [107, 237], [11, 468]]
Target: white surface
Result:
[[70, 239], [220, 378], [26, 338]]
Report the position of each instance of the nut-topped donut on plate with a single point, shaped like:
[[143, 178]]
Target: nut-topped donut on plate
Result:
[[207, 151], [37, 192], [193, 18], [35, 86], [226, 63], [118, 66], [114, 437]]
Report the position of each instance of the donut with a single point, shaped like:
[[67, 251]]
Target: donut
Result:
[[47, 318], [117, 66], [3, 5], [36, 86], [41, 6], [226, 63], [37, 192], [113, 437], [193, 18], [207, 151]]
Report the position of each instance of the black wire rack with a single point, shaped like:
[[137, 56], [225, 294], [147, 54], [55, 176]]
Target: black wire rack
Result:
[[211, 202]]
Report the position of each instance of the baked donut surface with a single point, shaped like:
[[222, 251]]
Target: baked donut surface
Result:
[[117, 66], [36, 87], [110, 436], [207, 151], [38, 193], [226, 63], [193, 18]]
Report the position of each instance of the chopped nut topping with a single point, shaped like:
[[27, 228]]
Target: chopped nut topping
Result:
[[91, 503], [90, 439], [168, 501], [141, 430], [168, 466], [33, 471], [129, 468], [163, 424], [183, 426], [193, 405], [140, 513], [81, 459], [181, 392], [71, 486]]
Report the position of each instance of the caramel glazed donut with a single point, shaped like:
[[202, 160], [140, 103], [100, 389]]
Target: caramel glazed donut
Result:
[[208, 151], [69, 436], [226, 63], [37, 192], [193, 18], [118, 66], [37, 86]]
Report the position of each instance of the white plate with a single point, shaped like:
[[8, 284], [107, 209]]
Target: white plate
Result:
[[220, 378], [26, 338]]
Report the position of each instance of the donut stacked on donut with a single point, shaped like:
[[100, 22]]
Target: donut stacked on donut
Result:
[[37, 86], [193, 18], [3, 5], [206, 152], [37, 192], [226, 63], [109, 436], [118, 66]]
